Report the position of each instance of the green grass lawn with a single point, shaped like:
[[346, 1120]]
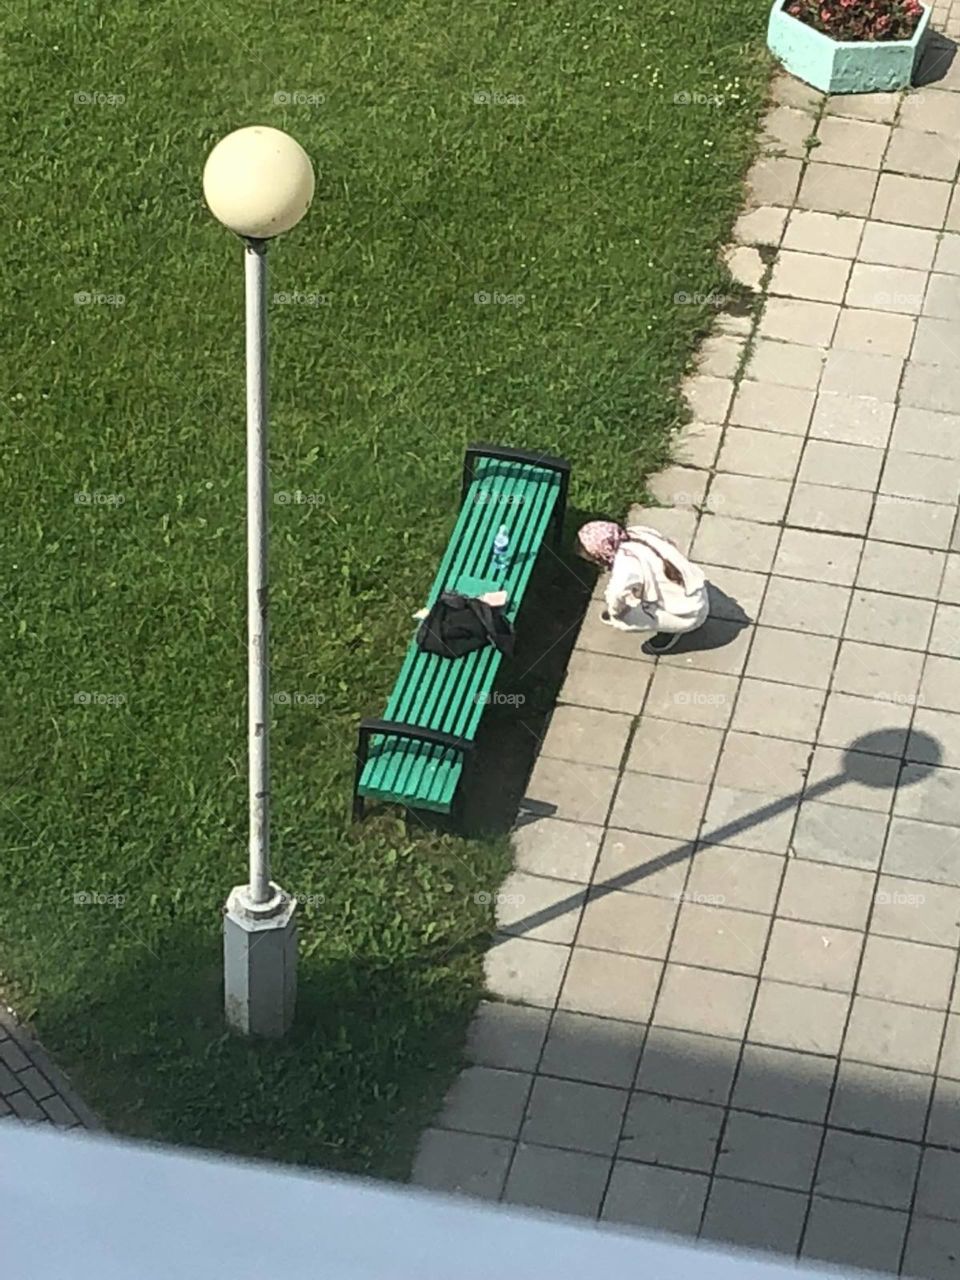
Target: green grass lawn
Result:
[[594, 196]]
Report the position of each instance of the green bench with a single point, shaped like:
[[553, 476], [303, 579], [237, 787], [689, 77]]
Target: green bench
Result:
[[415, 755]]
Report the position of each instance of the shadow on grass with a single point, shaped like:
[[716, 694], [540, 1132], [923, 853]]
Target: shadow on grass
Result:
[[381, 1015], [349, 1088]]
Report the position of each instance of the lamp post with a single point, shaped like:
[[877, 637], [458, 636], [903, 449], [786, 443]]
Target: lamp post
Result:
[[259, 183]]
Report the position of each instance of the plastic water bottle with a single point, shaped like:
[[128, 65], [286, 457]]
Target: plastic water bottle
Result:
[[501, 545]]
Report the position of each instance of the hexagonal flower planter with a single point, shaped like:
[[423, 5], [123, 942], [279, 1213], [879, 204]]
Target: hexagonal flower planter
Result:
[[844, 66]]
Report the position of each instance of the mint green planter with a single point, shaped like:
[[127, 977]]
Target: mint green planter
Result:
[[840, 66]]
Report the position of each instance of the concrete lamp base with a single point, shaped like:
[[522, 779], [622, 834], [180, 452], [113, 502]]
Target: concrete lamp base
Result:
[[260, 962]]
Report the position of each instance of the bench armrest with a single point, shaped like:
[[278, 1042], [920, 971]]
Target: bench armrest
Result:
[[536, 457], [532, 456], [396, 729]]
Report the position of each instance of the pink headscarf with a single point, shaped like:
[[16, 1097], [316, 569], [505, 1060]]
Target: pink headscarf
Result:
[[601, 539]]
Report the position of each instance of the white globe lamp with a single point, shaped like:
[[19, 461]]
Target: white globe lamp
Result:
[[258, 182]]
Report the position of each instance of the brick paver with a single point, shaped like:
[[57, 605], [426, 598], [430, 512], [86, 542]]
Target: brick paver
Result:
[[729, 952], [31, 1087]]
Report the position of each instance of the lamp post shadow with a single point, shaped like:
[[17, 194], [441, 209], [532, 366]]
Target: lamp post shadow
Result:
[[860, 765]]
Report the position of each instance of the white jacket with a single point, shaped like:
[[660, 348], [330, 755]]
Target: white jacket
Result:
[[640, 596]]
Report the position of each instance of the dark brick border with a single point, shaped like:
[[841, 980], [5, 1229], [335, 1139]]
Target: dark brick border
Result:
[[32, 1086]]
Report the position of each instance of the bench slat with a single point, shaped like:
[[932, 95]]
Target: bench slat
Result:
[[451, 568], [445, 768], [429, 773]]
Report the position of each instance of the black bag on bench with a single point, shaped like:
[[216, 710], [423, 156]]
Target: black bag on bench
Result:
[[457, 625]]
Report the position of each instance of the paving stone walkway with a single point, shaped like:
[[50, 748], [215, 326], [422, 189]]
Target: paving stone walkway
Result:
[[32, 1089], [725, 987]]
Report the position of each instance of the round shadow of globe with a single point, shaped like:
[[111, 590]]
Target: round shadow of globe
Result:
[[875, 759]]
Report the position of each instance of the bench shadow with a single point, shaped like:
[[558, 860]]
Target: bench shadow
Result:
[[523, 697], [935, 60], [532, 811]]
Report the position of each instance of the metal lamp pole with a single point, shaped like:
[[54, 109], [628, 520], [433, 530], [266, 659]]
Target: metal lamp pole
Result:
[[258, 182], [258, 532]]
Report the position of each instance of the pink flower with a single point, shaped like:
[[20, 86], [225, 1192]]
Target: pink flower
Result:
[[859, 19]]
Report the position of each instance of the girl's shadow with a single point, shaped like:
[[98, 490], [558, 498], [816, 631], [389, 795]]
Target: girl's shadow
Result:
[[726, 620]]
